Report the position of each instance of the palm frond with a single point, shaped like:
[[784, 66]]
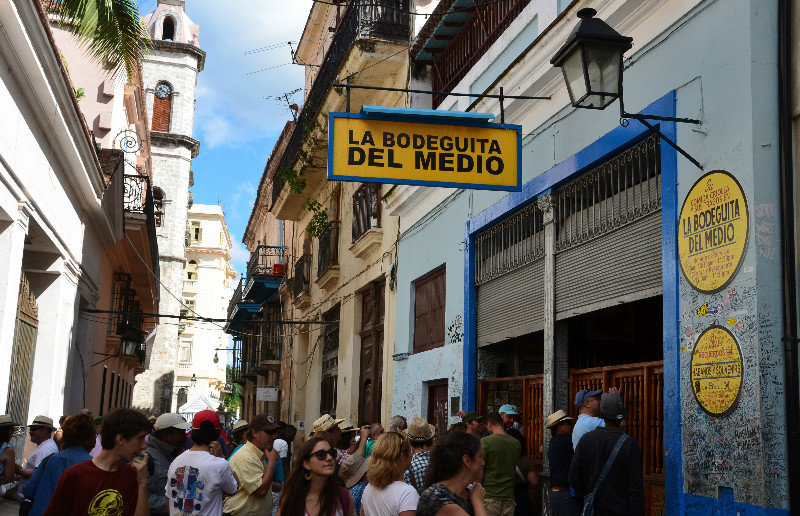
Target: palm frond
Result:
[[110, 30]]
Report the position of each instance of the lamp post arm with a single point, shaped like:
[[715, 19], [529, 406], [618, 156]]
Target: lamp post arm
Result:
[[624, 122], [638, 116]]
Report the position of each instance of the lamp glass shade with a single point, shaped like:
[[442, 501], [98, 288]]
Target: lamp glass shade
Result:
[[574, 76], [127, 347], [603, 69], [193, 380]]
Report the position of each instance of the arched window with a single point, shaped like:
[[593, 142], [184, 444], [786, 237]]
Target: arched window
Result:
[[158, 204], [191, 270], [168, 32], [162, 107]]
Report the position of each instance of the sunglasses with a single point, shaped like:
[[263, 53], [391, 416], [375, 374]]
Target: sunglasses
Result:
[[321, 454], [272, 431]]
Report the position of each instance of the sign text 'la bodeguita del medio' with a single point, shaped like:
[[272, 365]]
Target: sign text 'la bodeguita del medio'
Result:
[[417, 152]]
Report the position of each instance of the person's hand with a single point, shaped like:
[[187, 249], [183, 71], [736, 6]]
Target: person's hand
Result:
[[364, 432], [139, 463], [273, 456], [613, 390], [18, 468], [477, 493], [461, 413], [215, 449]]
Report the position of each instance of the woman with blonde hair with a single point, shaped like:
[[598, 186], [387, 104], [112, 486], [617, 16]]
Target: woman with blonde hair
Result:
[[387, 494]]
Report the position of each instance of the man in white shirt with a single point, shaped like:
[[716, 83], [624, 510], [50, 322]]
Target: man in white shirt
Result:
[[40, 431], [197, 480]]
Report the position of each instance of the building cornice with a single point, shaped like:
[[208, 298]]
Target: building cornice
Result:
[[181, 140], [171, 46]]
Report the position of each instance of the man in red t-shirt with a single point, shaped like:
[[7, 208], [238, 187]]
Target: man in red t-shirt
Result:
[[105, 485]]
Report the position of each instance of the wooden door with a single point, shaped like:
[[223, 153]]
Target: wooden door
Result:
[[371, 366], [437, 405]]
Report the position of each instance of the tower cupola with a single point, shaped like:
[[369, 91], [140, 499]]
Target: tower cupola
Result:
[[169, 22]]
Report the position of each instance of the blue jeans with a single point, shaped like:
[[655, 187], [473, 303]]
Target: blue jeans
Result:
[[562, 504]]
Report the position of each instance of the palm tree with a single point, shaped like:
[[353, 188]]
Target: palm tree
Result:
[[110, 30]]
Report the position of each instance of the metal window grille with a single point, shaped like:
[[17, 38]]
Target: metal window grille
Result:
[[366, 209], [328, 254], [330, 361], [302, 273], [619, 191], [516, 241]]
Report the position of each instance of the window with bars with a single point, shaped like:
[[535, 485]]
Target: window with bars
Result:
[[366, 209], [429, 305], [516, 241], [191, 270], [330, 361]]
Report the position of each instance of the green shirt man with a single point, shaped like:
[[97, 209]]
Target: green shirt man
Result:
[[501, 453]]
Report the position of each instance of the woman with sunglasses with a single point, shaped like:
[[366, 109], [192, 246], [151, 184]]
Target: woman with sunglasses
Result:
[[454, 471], [311, 489], [387, 494]]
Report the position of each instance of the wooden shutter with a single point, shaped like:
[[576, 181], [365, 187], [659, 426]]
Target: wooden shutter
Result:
[[429, 304], [162, 111]]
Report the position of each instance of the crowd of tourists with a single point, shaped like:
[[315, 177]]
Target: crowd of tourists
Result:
[[126, 464]]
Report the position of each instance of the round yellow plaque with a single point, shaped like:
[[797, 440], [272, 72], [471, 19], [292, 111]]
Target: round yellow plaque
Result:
[[713, 231], [717, 371]]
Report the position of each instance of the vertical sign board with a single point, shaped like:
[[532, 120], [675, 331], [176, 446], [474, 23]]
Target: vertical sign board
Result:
[[428, 151]]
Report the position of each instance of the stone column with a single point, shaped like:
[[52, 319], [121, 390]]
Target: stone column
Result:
[[545, 204], [12, 242]]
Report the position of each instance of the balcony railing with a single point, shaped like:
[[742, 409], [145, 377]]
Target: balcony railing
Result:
[[236, 298], [302, 276], [366, 209], [267, 260], [138, 198], [236, 369], [328, 254], [471, 43], [371, 19]]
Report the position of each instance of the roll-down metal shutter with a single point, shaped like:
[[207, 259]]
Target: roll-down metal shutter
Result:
[[619, 267], [511, 305]]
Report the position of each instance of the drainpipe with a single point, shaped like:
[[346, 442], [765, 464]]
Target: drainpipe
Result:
[[789, 339]]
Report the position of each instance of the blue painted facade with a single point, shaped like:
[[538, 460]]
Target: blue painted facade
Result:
[[716, 63]]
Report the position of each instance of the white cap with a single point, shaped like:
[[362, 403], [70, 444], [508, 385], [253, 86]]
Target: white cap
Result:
[[171, 420]]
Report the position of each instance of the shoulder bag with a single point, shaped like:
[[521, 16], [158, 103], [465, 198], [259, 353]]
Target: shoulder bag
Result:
[[588, 500]]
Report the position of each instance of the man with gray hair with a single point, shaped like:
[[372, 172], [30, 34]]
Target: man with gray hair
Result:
[[398, 424]]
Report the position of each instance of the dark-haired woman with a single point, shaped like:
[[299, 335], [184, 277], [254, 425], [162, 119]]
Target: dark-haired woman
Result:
[[7, 456], [455, 464], [311, 489], [78, 437]]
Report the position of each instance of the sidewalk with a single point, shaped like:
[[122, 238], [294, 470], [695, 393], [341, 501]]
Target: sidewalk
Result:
[[8, 508]]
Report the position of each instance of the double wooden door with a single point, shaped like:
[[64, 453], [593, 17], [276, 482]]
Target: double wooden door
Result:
[[373, 306]]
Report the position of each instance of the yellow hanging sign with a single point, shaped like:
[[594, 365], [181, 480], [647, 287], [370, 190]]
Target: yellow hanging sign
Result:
[[467, 155], [712, 231], [717, 371]]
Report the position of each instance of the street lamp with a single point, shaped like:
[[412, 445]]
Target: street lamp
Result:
[[216, 358], [193, 380], [128, 343], [591, 62]]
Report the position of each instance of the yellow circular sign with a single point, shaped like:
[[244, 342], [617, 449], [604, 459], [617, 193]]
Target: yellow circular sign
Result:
[[717, 371], [713, 231]]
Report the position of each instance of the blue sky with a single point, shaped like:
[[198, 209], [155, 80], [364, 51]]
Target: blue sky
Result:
[[237, 127]]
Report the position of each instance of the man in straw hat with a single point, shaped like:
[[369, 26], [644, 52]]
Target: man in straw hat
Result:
[[41, 432], [420, 435], [559, 454]]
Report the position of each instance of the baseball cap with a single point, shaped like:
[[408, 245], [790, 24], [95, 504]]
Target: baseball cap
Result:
[[205, 415], [471, 416], [170, 420], [584, 395], [511, 410], [611, 407], [263, 422]]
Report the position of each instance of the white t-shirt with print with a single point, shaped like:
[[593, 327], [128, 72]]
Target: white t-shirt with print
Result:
[[282, 447], [389, 501], [196, 483]]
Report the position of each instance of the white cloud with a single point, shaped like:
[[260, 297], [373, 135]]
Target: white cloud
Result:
[[239, 254], [241, 201], [231, 109]]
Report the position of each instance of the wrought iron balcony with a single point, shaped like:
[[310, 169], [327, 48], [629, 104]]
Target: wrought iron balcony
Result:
[[366, 209], [138, 199], [302, 274], [364, 19], [328, 255], [236, 368], [236, 298], [267, 260], [455, 45]]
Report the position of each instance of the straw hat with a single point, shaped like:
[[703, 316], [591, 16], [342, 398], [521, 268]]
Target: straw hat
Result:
[[6, 420], [239, 425], [556, 417], [353, 468], [420, 430], [43, 421], [325, 423]]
